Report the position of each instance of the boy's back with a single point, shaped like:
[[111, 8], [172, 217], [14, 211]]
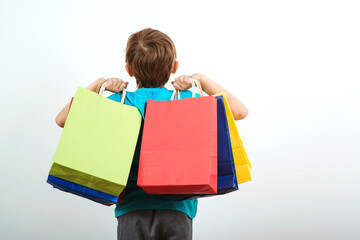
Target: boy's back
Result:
[[134, 197]]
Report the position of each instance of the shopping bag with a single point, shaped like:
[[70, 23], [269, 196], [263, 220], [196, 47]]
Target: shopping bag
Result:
[[179, 147], [97, 144], [82, 191], [242, 164], [226, 170]]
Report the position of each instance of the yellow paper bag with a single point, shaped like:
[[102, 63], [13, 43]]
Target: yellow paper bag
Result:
[[242, 164]]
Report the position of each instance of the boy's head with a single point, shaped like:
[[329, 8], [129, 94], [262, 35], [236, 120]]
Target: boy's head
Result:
[[151, 58]]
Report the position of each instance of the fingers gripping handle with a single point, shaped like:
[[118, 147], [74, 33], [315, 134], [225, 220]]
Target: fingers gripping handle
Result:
[[102, 89], [194, 83]]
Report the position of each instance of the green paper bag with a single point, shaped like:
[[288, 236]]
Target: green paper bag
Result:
[[97, 144]]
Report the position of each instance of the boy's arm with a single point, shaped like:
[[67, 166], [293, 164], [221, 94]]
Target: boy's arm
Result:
[[238, 109], [113, 84]]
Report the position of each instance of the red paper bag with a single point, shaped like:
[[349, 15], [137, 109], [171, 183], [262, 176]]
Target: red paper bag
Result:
[[179, 147]]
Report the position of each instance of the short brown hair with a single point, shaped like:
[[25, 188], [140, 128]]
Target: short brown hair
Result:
[[150, 55]]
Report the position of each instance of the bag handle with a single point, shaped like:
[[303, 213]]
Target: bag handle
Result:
[[198, 85], [102, 89], [194, 83], [175, 95]]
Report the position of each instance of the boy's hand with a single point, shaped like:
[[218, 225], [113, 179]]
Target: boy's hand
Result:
[[115, 85], [183, 82]]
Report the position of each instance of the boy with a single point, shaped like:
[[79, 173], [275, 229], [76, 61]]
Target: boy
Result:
[[151, 58]]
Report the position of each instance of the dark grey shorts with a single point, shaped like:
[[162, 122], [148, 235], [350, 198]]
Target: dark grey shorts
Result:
[[154, 224]]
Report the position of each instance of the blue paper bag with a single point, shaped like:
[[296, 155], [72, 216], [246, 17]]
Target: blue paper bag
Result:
[[82, 191], [226, 168]]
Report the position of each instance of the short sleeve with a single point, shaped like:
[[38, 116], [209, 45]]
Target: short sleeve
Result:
[[115, 97]]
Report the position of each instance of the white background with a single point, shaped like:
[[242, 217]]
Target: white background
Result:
[[295, 64]]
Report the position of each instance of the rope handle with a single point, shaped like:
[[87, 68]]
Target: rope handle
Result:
[[101, 89], [194, 83]]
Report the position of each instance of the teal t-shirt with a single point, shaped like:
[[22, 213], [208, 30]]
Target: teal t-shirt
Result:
[[134, 197]]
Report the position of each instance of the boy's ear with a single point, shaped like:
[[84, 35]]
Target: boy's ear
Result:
[[127, 67], [175, 68]]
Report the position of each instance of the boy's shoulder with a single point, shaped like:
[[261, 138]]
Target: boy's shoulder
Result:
[[156, 93]]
